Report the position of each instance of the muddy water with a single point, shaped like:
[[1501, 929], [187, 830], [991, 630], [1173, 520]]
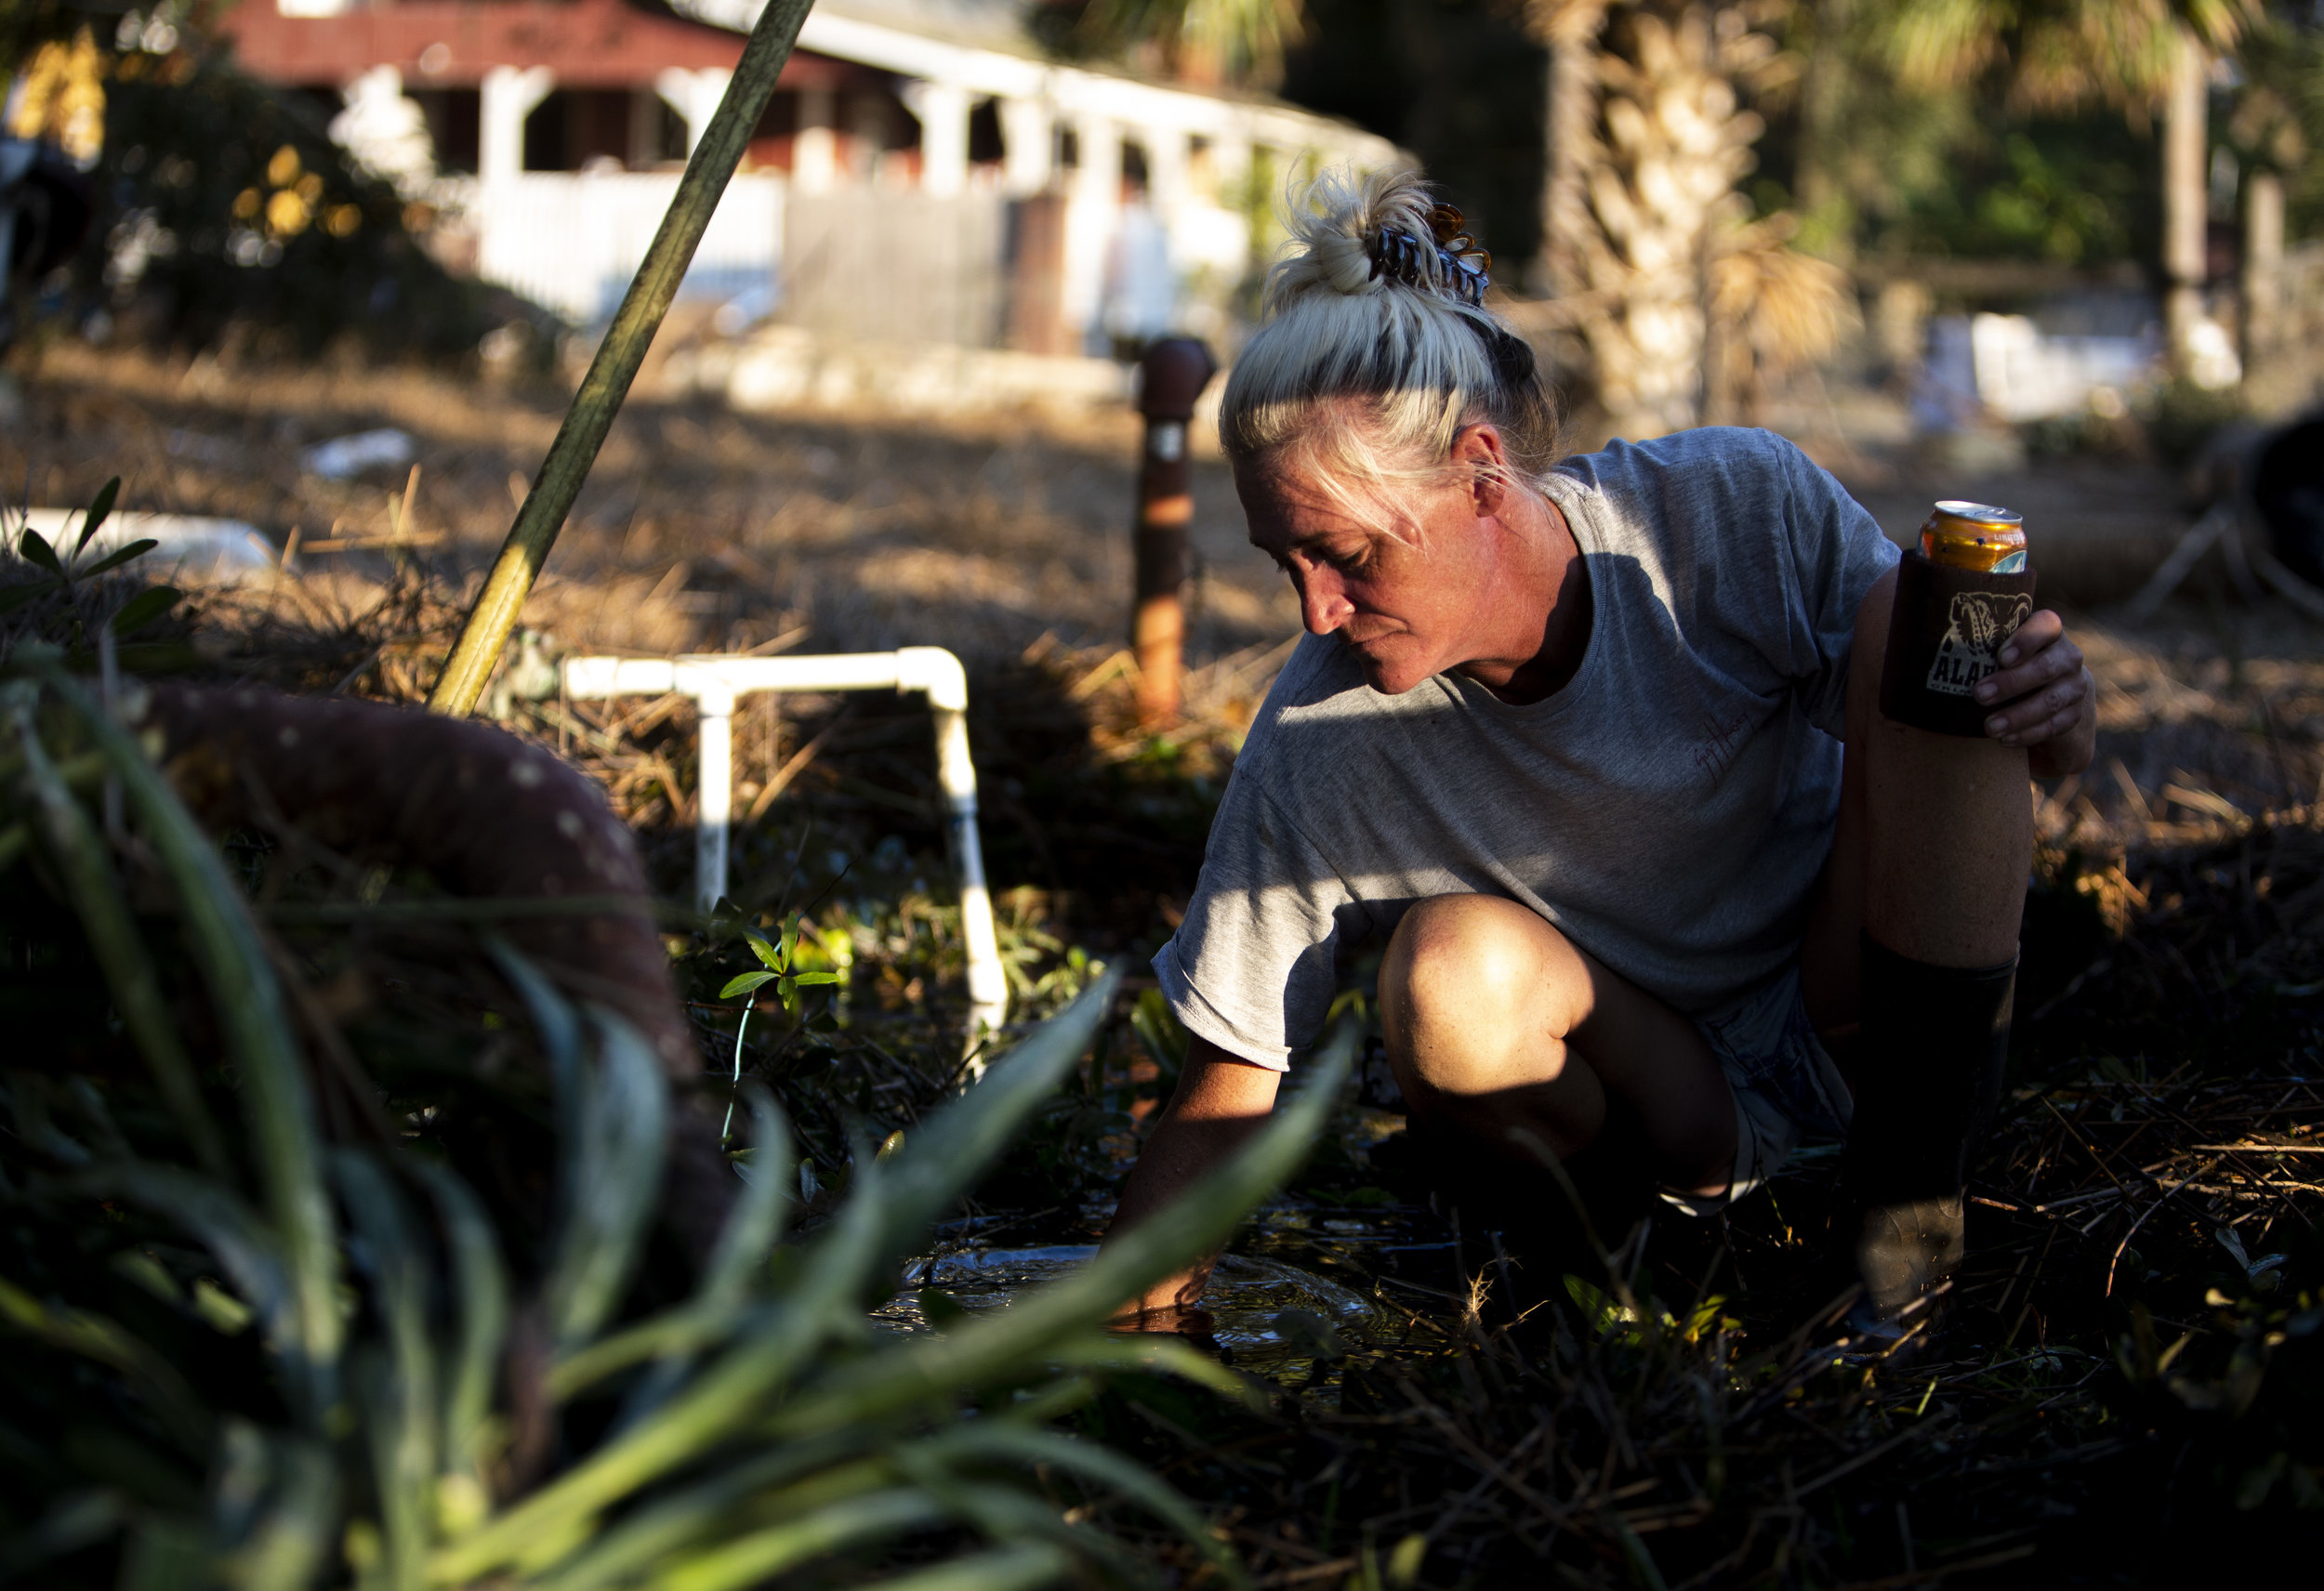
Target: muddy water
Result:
[[1300, 1285]]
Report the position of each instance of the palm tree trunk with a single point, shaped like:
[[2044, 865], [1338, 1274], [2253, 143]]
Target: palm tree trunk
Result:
[[1673, 308], [2263, 285], [1671, 143], [2185, 201], [1569, 116]]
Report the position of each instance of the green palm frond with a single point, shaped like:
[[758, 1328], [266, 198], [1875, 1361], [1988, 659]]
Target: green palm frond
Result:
[[1208, 41], [2058, 54]]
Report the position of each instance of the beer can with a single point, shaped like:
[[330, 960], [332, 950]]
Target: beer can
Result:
[[1957, 603], [1975, 536]]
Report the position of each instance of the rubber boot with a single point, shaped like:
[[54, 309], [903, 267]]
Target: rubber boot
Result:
[[1933, 1042]]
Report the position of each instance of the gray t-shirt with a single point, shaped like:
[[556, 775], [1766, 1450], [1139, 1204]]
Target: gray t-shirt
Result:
[[1669, 809]]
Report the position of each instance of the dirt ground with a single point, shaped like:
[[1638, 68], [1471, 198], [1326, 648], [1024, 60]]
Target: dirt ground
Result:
[[701, 530], [705, 530]]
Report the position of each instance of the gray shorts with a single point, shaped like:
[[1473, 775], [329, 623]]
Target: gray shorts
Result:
[[1785, 1085]]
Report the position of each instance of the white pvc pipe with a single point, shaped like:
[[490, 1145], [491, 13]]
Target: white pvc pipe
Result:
[[714, 800], [715, 682]]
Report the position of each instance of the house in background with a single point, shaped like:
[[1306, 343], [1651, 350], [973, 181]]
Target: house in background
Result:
[[926, 173]]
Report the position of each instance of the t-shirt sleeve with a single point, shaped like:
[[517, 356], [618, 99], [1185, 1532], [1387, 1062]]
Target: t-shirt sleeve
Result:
[[1252, 966], [1837, 552]]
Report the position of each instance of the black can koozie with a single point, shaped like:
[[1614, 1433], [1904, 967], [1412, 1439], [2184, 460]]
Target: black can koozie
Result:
[[1945, 634]]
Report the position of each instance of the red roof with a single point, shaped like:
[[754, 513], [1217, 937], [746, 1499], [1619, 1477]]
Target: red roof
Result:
[[451, 44]]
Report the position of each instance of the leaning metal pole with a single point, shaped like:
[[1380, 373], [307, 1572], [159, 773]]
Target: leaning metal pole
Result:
[[615, 365]]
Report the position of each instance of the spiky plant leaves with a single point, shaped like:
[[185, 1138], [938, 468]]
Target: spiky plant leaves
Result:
[[1004, 1569], [144, 609], [34, 549], [1012, 1443], [559, 1029], [397, 1380], [891, 1203], [618, 1155], [82, 862], [957, 1144], [92, 1336], [1040, 1321], [759, 1428], [279, 1112], [756, 1223], [247, 1248], [100, 509], [118, 556], [480, 1288], [285, 1489], [738, 1262], [755, 1556]]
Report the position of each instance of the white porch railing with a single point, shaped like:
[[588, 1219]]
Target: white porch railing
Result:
[[573, 240]]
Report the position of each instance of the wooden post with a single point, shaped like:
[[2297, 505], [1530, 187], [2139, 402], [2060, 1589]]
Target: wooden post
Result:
[[1172, 377]]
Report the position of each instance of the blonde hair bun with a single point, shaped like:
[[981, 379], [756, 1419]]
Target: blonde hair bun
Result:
[[1374, 371], [1333, 224]]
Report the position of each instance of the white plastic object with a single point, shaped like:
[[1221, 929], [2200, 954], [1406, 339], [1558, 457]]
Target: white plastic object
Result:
[[715, 682]]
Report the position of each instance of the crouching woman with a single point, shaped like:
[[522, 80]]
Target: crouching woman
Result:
[[1595, 746]]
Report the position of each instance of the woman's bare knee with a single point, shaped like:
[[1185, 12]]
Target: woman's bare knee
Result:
[[1471, 996]]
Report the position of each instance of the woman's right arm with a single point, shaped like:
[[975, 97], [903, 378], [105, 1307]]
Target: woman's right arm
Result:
[[1219, 1102]]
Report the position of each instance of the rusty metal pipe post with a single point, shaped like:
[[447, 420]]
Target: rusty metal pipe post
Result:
[[1172, 377]]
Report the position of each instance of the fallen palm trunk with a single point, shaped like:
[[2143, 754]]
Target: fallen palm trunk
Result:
[[492, 819]]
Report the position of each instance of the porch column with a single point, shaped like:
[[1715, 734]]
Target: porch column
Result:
[[694, 96], [942, 109], [507, 96], [385, 131], [1027, 137], [815, 147], [1090, 221], [1166, 169]]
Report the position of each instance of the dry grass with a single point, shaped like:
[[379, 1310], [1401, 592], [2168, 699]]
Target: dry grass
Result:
[[702, 529]]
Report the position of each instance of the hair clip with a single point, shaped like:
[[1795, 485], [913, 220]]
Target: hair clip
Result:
[[1460, 262]]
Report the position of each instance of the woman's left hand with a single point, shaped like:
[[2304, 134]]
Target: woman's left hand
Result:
[[2051, 702]]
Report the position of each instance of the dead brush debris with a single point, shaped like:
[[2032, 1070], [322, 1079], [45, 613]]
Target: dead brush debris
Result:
[[2135, 1337], [2132, 1341], [1685, 1413], [854, 848]]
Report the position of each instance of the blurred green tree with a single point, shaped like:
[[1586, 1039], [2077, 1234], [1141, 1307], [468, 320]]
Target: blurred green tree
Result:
[[2141, 56], [1210, 43], [25, 25], [2274, 125], [223, 204]]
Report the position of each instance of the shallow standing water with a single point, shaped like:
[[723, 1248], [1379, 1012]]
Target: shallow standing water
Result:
[[1300, 1285]]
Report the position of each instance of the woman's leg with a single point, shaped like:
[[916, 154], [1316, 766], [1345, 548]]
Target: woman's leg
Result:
[[1910, 954], [1500, 1029], [1932, 849]]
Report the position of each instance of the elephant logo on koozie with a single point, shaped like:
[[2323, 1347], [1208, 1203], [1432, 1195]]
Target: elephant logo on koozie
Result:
[[1980, 622]]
